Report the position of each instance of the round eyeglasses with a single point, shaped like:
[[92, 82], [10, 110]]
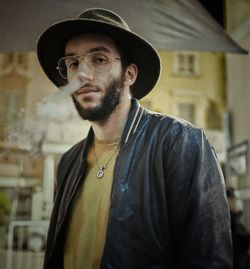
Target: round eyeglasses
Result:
[[98, 61]]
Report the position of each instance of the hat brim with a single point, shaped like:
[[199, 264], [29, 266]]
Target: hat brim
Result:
[[51, 47]]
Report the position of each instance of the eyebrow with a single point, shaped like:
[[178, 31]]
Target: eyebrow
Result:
[[101, 48]]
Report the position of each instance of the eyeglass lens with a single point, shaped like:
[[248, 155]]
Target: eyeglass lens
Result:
[[99, 62]]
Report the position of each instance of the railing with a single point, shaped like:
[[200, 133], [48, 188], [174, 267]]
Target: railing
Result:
[[25, 244]]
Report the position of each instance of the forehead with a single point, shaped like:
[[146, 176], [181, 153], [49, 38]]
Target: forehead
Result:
[[86, 42]]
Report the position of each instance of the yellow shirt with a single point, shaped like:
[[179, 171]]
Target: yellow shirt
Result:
[[86, 232]]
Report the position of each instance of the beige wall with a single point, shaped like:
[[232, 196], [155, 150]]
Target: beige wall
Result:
[[237, 12], [207, 85]]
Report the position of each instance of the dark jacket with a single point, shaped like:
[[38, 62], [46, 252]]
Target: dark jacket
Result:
[[168, 205], [241, 242]]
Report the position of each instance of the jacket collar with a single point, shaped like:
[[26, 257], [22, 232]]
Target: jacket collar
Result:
[[134, 119]]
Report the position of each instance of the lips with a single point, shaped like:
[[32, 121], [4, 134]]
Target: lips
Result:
[[85, 90]]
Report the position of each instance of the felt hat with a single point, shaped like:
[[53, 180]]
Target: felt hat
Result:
[[51, 46]]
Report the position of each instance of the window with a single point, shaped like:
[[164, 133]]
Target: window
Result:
[[15, 60], [7, 60], [185, 64]]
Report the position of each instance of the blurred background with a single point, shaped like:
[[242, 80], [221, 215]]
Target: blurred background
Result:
[[205, 79]]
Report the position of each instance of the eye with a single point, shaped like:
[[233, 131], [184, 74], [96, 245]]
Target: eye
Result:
[[72, 63], [99, 59]]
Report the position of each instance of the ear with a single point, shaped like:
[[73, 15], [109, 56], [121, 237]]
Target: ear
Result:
[[131, 74]]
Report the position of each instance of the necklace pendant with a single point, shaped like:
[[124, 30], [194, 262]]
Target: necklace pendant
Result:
[[100, 173]]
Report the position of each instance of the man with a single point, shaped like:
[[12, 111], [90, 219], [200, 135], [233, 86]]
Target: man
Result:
[[143, 190]]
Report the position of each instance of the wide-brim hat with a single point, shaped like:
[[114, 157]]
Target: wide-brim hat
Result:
[[51, 46]]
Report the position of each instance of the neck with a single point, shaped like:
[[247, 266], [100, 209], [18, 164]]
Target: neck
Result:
[[113, 127]]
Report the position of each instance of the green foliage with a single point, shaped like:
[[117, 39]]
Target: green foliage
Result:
[[5, 207]]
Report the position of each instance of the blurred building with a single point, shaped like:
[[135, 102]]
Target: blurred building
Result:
[[211, 90], [238, 91], [34, 132]]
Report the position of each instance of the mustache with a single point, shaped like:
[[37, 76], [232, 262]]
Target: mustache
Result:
[[74, 85]]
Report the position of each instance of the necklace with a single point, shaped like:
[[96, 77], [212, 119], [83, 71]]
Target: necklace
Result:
[[100, 172]]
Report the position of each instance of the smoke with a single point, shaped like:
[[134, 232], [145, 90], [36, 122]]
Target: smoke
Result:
[[71, 87], [29, 132], [26, 133], [58, 106]]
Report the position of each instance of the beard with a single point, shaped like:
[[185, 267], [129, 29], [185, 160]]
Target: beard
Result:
[[108, 103]]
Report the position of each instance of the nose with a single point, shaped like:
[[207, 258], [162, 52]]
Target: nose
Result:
[[84, 72]]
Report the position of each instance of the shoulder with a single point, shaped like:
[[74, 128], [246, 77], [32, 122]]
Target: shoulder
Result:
[[174, 129], [73, 151], [68, 159]]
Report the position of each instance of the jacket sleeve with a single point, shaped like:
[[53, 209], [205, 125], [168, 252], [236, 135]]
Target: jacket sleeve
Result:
[[56, 183], [198, 211]]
